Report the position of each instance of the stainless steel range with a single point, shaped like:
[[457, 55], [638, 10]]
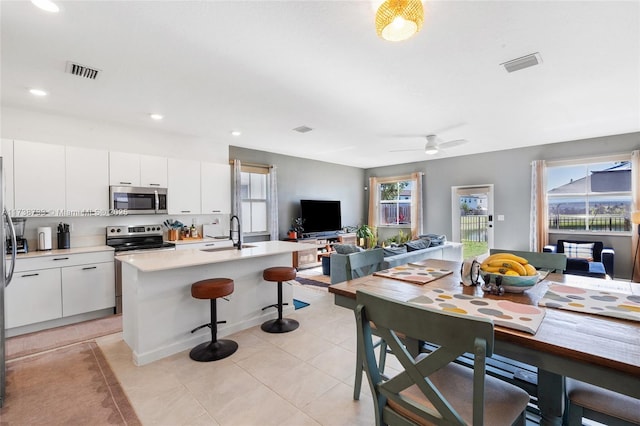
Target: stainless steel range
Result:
[[130, 240], [137, 238]]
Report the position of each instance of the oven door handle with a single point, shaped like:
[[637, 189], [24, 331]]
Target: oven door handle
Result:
[[157, 200]]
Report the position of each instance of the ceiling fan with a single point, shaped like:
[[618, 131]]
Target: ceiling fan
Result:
[[435, 144]]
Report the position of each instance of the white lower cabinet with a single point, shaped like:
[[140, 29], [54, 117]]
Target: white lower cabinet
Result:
[[51, 287], [33, 296], [87, 288]]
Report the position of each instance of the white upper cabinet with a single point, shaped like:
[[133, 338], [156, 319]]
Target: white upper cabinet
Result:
[[87, 175], [153, 171], [7, 172], [39, 178], [124, 169], [215, 188], [184, 186]]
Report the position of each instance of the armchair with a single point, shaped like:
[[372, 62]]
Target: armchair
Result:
[[587, 258]]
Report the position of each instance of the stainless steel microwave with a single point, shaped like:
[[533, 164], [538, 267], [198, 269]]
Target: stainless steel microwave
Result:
[[137, 200]]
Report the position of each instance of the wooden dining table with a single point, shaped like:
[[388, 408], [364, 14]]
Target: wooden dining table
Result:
[[601, 350]]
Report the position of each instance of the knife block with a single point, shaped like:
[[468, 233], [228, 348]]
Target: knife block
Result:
[[64, 240]]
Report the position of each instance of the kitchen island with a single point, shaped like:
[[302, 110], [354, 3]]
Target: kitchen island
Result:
[[158, 312]]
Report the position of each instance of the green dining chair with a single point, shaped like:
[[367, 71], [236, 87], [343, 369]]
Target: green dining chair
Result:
[[515, 372], [359, 265], [599, 404], [432, 388]]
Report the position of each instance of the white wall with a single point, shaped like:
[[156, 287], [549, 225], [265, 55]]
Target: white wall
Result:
[[37, 126]]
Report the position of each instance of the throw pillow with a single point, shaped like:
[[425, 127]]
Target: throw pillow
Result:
[[426, 239], [579, 250], [392, 251], [416, 245], [346, 248]]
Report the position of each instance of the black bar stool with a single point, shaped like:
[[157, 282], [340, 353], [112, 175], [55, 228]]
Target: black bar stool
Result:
[[279, 325], [216, 349]]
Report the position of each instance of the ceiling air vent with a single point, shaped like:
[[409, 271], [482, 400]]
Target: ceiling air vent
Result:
[[523, 62], [82, 70], [303, 129]]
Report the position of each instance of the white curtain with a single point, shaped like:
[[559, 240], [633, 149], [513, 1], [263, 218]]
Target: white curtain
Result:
[[236, 202], [416, 205], [538, 223], [272, 199], [635, 200]]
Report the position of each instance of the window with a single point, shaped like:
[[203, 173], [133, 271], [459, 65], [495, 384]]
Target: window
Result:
[[395, 203], [254, 197], [592, 196]]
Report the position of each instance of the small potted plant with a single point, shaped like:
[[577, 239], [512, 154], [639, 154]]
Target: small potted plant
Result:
[[296, 228], [365, 236]]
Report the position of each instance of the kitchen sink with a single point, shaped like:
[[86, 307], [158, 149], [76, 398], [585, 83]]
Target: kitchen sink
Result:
[[227, 248]]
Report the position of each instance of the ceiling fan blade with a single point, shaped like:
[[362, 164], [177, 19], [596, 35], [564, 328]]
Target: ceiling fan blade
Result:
[[451, 144], [405, 150]]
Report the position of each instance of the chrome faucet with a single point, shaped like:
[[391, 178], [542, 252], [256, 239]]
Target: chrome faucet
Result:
[[239, 243]]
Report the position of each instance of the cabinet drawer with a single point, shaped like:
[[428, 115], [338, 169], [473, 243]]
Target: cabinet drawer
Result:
[[88, 288], [62, 260], [33, 296]]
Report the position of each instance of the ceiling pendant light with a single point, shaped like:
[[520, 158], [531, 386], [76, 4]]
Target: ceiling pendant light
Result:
[[397, 20]]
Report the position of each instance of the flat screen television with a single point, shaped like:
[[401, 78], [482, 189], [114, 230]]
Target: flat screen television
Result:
[[320, 216]]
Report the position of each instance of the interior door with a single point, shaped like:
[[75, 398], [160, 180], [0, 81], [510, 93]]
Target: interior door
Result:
[[472, 218]]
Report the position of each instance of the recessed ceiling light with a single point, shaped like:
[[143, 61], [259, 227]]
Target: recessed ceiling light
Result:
[[46, 5], [156, 117], [37, 92], [236, 133]]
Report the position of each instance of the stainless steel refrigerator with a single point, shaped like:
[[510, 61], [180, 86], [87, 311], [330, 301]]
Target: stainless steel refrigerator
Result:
[[6, 273]]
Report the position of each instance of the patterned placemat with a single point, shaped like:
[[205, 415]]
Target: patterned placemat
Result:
[[592, 301], [415, 274], [504, 313]]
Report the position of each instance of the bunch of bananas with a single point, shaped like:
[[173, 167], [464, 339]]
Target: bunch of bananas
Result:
[[508, 264]]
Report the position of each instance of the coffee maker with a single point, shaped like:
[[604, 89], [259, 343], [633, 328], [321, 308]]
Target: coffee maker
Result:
[[21, 242]]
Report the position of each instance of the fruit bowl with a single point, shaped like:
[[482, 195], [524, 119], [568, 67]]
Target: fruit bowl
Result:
[[512, 283]]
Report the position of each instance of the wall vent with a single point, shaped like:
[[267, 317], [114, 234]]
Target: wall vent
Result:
[[523, 62], [82, 70], [303, 129]]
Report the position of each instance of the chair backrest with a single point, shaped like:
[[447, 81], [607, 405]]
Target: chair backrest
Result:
[[554, 262], [453, 334], [364, 263], [597, 247]]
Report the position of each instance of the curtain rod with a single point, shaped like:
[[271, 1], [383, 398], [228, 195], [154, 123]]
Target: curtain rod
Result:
[[266, 166]]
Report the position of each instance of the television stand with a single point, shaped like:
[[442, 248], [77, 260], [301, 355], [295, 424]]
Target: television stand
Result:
[[311, 258]]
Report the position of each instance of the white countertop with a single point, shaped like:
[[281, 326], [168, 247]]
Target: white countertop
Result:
[[60, 252], [174, 259]]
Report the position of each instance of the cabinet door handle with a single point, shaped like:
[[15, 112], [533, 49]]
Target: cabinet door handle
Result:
[[29, 275], [125, 183], [185, 211], [154, 184], [89, 267], [61, 258], [215, 211], [210, 244]]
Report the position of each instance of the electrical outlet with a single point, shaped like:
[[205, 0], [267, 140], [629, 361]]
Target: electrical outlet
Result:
[[71, 227], [500, 217]]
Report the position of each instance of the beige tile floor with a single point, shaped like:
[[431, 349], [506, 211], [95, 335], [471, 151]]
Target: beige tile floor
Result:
[[304, 377]]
